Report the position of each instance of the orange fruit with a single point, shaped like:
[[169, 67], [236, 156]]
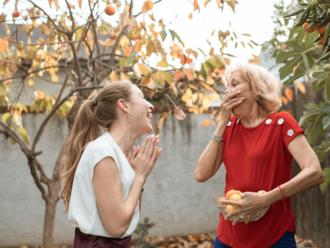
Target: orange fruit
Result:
[[161, 21], [113, 35], [16, 14], [321, 41], [232, 192], [235, 197], [310, 30], [110, 10], [230, 208], [321, 30], [262, 192]]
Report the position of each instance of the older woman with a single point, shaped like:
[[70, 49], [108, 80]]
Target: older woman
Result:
[[256, 145]]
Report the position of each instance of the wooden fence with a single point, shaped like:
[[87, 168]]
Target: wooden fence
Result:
[[311, 208]]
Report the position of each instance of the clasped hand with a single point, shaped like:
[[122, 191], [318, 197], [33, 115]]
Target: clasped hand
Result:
[[250, 203], [143, 159]]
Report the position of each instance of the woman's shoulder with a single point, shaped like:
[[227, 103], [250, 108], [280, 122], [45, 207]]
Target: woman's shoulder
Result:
[[283, 116], [103, 144]]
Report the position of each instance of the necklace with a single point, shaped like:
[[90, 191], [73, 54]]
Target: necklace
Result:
[[257, 122]]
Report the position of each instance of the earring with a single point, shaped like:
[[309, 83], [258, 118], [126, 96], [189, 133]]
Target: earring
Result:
[[129, 113], [257, 101]]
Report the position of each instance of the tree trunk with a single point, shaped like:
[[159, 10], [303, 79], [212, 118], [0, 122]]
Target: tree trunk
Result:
[[49, 223]]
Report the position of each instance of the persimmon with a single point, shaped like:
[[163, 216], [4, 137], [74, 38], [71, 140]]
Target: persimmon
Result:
[[235, 197], [232, 192], [113, 35], [161, 21], [16, 14], [310, 30], [230, 208], [110, 10], [321, 30], [321, 41]]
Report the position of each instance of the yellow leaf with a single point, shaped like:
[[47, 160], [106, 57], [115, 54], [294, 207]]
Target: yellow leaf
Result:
[[144, 69], [39, 94], [159, 124], [289, 94], [284, 100], [193, 86], [179, 114], [301, 87], [159, 79], [162, 63], [54, 78], [173, 88], [124, 76], [191, 16], [189, 92], [200, 98], [24, 134], [205, 123], [152, 17], [256, 58], [114, 77], [3, 45], [31, 83], [196, 5], [137, 46], [194, 97], [127, 51], [206, 102], [206, 2], [211, 51]]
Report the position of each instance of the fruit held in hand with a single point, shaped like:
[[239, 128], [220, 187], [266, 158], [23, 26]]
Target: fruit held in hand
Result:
[[230, 208], [233, 192], [16, 14], [235, 198], [110, 10], [262, 192]]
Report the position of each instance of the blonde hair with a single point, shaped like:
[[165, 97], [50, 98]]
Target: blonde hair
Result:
[[262, 83], [87, 127]]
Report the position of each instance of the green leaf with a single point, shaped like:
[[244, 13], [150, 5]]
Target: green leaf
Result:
[[203, 71], [299, 72], [324, 80], [159, 79], [162, 63], [207, 65], [130, 60], [326, 173], [325, 108], [293, 57], [201, 51], [326, 121], [174, 35], [5, 117], [214, 64], [24, 134], [322, 150], [314, 117], [163, 34], [122, 63], [167, 77]]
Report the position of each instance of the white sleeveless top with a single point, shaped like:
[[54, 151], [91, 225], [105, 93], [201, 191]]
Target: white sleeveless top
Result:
[[83, 210]]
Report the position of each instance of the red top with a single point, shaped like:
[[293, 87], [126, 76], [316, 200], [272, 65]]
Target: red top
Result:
[[256, 159]]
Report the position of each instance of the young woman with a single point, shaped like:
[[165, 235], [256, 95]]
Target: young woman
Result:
[[103, 181]]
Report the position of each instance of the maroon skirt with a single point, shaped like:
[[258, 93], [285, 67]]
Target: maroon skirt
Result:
[[82, 240]]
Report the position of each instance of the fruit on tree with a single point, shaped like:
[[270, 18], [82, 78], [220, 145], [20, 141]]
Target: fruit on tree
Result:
[[309, 30], [326, 67], [321, 41], [16, 14], [113, 35], [110, 10], [321, 30]]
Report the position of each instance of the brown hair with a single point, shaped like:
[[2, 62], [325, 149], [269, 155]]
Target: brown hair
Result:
[[87, 127]]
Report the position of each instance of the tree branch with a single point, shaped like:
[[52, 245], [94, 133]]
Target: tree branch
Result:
[[13, 62], [53, 111], [71, 16]]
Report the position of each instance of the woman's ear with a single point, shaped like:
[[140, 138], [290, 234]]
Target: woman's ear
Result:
[[123, 106]]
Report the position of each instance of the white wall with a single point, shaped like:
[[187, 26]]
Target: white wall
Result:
[[173, 199]]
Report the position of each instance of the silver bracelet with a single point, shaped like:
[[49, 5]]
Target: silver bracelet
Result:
[[217, 138]]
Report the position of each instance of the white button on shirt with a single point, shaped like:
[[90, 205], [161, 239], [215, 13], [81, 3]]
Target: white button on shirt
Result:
[[83, 211]]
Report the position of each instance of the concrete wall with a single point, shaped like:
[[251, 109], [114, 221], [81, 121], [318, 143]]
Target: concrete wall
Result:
[[173, 199]]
